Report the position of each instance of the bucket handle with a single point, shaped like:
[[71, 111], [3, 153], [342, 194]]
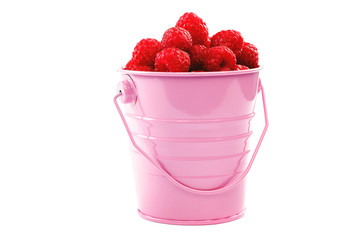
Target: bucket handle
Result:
[[176, 182]]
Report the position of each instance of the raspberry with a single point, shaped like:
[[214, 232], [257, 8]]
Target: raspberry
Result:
[[226, 69], [145, 51], [248, 56], [230, 38], [207, 43], [241, 67], [132, 65], [196, 27], [178, 38], [172, 60], [219, 58], [197, 53]]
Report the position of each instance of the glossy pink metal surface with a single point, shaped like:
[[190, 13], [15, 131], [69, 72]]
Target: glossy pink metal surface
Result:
[[189, 133]]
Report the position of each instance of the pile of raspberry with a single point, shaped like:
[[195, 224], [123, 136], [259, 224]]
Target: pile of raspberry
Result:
[[188, 47]]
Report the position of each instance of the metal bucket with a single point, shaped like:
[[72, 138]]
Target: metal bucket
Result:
[[189, 134]]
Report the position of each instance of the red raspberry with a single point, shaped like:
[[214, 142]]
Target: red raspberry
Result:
[[172, 60], [230, 38], [132, 65], [145, 51], [178, 38], [248, 56], [207, 43], [196, 27], [219, 58], [241, 67], [197, 53]]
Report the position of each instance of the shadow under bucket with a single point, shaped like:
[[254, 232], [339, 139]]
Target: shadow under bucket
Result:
[[189, 134]]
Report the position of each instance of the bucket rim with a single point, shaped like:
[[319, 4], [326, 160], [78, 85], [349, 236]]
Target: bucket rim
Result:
[[189, 74]]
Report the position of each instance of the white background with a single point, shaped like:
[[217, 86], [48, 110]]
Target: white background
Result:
[[65, 172]]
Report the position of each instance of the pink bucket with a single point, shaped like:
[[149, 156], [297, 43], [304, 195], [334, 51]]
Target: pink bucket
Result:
[[189, 134]]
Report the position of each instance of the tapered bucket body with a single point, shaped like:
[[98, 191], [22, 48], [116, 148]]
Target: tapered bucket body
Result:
[[190, 135]]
